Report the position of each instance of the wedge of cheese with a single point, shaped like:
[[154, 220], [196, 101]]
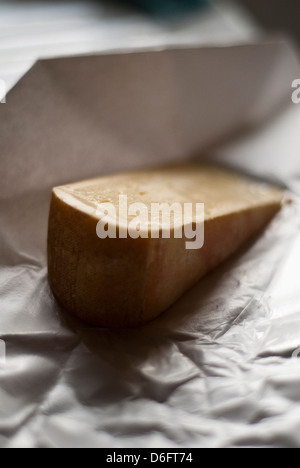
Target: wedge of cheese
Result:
[[121, 281]]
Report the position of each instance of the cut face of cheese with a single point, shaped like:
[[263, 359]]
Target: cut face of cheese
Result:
[[107, 274]]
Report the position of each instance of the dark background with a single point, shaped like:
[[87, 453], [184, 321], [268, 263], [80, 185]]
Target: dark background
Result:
[[273, 15], [276, 15]]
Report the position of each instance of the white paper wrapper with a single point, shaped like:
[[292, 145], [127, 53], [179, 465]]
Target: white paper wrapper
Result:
[[216, 370]]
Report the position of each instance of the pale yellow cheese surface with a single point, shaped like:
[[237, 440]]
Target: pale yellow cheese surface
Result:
[[221, 191], [121, 282]]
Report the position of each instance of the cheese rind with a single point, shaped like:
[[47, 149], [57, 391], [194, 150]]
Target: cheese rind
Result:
[[127, 282]]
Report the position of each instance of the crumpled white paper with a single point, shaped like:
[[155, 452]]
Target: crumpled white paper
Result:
[[216, 370], [219, 369]]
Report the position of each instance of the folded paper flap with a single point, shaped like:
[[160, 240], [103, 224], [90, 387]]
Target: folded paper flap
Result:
[[120, 111]]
